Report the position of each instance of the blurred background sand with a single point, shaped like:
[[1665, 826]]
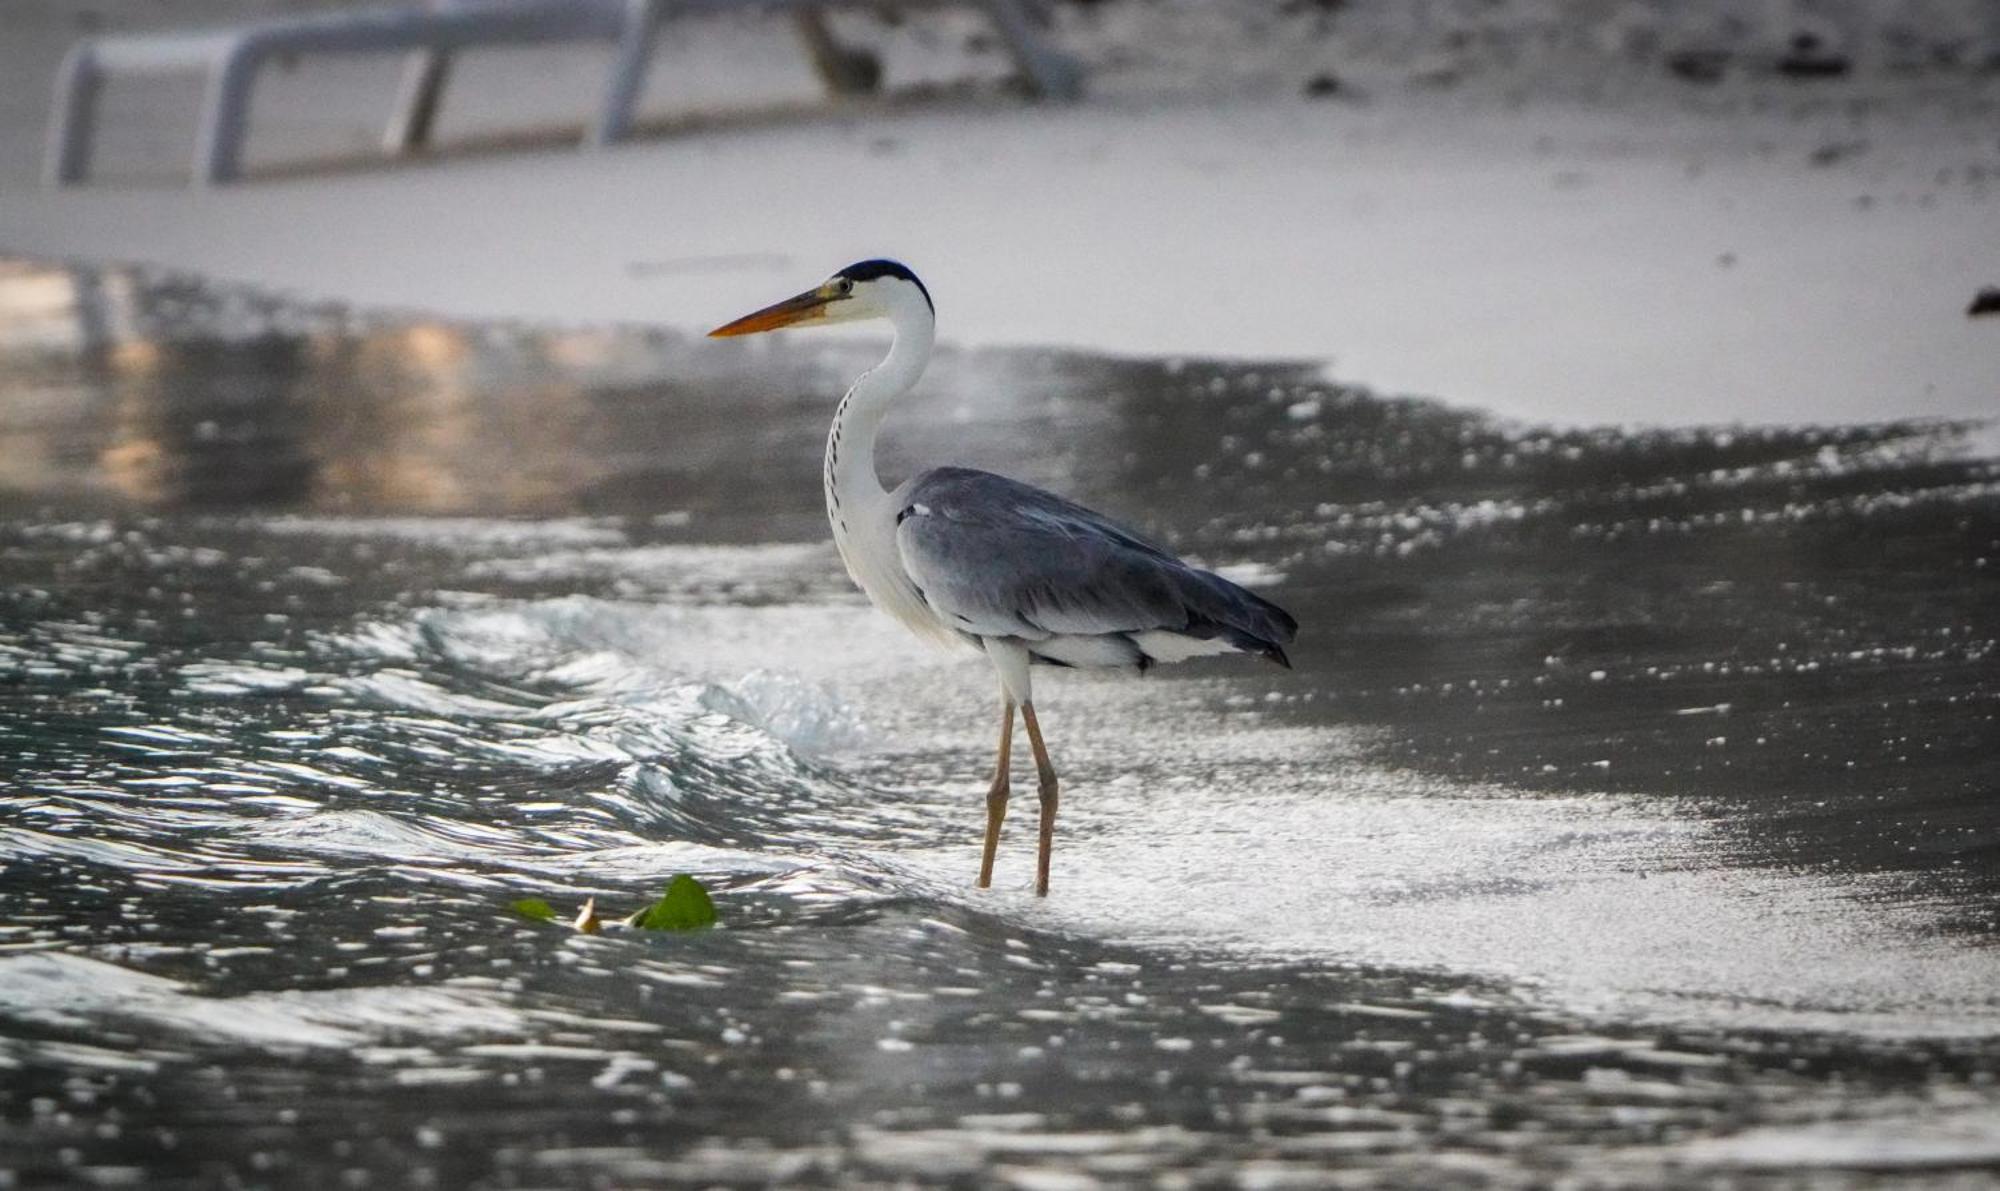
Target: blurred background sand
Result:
[[1579, 212]]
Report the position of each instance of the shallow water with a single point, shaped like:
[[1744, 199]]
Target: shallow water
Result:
[[1627, 818]]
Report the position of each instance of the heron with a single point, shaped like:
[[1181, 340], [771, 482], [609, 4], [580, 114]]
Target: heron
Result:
[[969, 557]]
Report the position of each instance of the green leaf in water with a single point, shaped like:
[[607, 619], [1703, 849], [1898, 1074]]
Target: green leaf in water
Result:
[[535, 908], [685, 906]]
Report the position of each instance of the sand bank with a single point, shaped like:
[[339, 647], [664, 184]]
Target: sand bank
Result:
[[1631, 258]]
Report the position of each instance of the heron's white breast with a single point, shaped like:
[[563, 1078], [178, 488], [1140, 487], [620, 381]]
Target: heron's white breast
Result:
[[866, 538]]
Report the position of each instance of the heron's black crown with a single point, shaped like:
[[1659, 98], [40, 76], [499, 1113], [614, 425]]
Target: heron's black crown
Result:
[[870, 270]]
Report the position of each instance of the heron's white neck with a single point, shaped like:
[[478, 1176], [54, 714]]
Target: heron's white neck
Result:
[[853, 490]]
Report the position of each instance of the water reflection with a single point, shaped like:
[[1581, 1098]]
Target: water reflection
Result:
[[1630, 804], [179, 396], [163, 392]]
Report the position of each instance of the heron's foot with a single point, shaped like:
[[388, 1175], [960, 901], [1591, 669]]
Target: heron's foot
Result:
[[1049, 800], [996, 811]]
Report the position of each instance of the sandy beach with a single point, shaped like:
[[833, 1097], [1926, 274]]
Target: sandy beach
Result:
[[1603, 244]]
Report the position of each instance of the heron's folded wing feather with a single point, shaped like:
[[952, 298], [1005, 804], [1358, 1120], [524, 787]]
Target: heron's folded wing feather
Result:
[[1000, 558]]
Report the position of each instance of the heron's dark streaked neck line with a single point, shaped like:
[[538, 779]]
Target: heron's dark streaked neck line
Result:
[[864, 524], [850, 444]]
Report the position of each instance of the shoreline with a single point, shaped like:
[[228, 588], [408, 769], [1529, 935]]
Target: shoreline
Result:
[[1653, 254]]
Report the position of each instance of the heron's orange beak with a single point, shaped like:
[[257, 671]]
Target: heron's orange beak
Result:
[[803, 308]]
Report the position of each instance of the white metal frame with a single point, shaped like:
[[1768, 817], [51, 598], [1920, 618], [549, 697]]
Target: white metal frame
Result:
[[229, 59]]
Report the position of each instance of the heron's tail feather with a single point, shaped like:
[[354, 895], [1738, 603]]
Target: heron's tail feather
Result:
[[1241, 617]]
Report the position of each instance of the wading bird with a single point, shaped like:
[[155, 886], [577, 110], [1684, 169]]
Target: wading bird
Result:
[[969, 557]]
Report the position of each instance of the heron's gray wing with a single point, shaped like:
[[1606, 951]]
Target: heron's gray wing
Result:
[[998, 558]]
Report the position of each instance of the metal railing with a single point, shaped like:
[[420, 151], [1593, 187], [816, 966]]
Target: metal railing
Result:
[[229, 60]]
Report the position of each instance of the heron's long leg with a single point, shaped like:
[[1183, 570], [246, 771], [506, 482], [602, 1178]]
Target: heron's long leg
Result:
[[996, 798], [1047, 771]]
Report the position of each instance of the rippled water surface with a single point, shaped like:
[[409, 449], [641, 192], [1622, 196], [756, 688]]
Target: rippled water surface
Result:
[[1628, 819]]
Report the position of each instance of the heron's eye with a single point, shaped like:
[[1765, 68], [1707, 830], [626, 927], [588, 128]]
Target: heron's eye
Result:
[[843, 287]]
